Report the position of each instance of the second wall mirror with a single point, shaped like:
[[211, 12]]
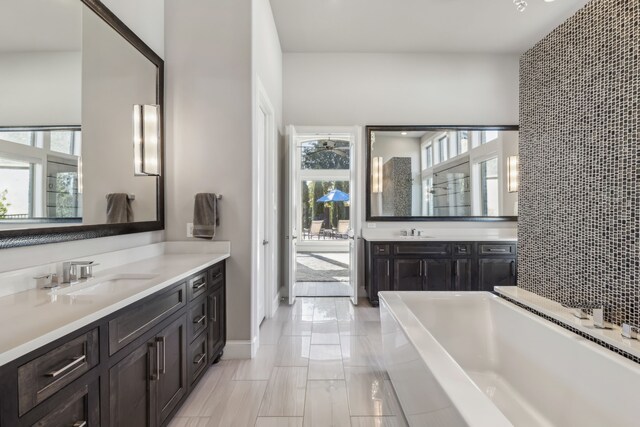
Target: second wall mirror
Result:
[[442, 173]]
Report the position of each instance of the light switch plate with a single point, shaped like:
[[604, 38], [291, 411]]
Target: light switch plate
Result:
[[189, 229]]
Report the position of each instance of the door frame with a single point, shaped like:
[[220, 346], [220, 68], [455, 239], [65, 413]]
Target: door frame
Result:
[[355, 134], [264, 165]]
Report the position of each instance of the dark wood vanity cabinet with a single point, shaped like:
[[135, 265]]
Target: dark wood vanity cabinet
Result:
[[438, 266], [133, 368]]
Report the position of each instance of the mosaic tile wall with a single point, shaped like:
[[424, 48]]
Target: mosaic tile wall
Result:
[[396, 185], [579, 200]]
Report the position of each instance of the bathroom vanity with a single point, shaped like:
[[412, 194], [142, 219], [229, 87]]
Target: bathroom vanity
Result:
[[419, 264], [110, 353]]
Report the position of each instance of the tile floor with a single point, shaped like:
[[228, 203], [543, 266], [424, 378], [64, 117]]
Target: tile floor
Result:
[[319, 364], [323, 289]]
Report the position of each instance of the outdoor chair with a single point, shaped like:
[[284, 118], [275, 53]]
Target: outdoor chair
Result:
[[315, 229], [341, 232]]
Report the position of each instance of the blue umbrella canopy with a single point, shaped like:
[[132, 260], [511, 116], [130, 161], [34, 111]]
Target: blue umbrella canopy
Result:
[[334, 196]]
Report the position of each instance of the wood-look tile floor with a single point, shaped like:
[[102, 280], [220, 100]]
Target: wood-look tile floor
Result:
[[319, 364]]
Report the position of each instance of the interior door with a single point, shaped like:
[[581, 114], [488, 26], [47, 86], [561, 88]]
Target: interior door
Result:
[[264, 212], [354, 236], [292, 232]]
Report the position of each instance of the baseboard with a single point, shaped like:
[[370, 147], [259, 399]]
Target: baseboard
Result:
[[238, 349]]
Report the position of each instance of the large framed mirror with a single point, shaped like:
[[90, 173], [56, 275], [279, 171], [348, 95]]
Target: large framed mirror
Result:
[[71, 76], [442, 173]]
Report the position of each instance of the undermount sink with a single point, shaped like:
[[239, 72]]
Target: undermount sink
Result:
[[415, 237], [104, 285]]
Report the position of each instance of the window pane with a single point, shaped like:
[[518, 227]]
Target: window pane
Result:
[[62, 189], [15, 189], [62, 142], [463, 142], [325, 154], [489, 136], [325, 210], [490, 190], [24, 138]]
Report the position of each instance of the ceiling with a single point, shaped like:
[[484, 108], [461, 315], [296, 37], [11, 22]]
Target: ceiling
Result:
[[40, 26], [416, 26]]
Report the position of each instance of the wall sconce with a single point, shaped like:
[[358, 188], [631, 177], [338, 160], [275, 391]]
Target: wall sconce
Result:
[[513, 174], [146, 140], [377, 175]]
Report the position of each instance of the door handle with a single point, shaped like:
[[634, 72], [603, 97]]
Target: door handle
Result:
[[513, 268], [161, 341], [265, 242], [215, 308], [455, 268], [420, 270]]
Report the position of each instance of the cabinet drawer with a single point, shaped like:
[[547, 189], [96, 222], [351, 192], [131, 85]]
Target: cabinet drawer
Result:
[[216, 275], [197, 286], [381, 250], [139, 319], [81, 409], [49, 373], [197, 318], [431, 248], [197, 358], [497, 249], [461, 249]]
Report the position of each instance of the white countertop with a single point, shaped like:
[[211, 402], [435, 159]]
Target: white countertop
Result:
[[36, 317], [443, 238], [432, 234], [556, 311]]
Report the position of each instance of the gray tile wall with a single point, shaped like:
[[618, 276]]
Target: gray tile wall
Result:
[[579, 200]]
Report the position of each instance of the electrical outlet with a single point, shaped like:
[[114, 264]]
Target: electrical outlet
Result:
[[189, 229], [371, 225]]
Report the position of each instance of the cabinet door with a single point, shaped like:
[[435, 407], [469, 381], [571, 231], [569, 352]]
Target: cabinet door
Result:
[[496, 272], [407, 274], [462, 281], [172, 382], [381, 275], [216, 328], [130, 395], [437, 275]]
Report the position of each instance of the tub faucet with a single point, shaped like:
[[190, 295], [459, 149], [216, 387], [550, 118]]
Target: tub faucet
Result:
[[630, 331], [579, 310], [70, 271]]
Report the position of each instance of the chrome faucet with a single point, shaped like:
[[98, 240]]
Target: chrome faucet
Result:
[[630, 331], [70, 271], [579, 310]]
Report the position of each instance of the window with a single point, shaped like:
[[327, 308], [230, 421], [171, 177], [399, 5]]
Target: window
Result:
[[65, 141], [463, 142], [326, 154], [488, 136], [23, 138], [62, 189], [490, 203], [428, 156], [16, 181], [443, 145]]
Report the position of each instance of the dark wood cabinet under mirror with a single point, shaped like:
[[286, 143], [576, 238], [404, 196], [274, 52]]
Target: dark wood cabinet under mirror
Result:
[[70, 145], [442, 173], [438, 266], [132, 368]]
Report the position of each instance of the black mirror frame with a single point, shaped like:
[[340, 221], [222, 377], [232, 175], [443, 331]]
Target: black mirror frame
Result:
[[411, 128], [39, 236]]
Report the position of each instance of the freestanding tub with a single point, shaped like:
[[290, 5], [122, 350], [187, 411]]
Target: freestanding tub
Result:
[[474, 359]]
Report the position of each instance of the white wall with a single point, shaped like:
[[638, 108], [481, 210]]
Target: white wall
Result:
[[40, 88], [144, 17], [151, 22], [380, 89], [208, 52]]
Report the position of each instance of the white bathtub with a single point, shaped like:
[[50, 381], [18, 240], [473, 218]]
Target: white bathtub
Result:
[[473, 359]]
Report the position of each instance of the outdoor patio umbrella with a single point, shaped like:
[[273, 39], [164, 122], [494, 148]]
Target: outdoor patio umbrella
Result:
[[334, 196]]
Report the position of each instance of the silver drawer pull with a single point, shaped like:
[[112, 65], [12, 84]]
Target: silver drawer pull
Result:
[[199, 285], [200, 359], [72, 365], [217, 276], [200, 319], [497, 250], [80, 424]]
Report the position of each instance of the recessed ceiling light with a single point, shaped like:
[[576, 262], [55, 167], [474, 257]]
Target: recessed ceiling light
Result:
[[403, 133]]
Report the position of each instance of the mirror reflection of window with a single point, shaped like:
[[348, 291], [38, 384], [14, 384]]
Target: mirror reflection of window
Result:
[[490, 188]]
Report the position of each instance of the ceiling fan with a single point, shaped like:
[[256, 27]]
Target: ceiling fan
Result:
[[329, 145]]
